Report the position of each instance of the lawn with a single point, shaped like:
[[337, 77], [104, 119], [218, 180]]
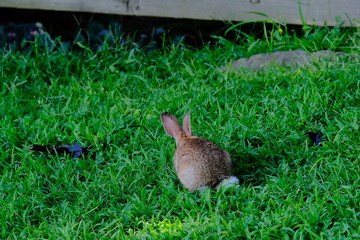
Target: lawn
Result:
[[110, 100]]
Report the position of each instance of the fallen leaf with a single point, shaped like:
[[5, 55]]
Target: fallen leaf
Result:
[[76, 150], [315, 137]]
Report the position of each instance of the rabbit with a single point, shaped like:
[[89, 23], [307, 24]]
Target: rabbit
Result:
[[199, 163]]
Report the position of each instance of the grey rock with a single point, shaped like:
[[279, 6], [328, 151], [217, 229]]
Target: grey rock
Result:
[[295, 58]]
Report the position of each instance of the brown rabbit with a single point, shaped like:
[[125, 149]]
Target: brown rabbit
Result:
[[199, 163]]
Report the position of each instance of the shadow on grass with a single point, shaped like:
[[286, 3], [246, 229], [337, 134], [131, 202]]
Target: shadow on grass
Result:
[[253, 169]]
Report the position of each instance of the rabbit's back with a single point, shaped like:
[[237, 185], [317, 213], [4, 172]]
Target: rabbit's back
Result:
[[200, 163]]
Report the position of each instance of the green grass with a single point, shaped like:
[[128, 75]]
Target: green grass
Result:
[[111, 100]]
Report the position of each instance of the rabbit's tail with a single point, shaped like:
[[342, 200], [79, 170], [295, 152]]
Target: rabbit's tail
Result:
[[228, 182]]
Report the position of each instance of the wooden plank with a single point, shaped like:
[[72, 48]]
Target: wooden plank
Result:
[[313, 11]]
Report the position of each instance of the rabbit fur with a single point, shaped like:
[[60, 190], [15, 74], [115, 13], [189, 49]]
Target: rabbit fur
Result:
[[199, 163]]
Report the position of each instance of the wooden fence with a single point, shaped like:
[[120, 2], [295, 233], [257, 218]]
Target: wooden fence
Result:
[[319, 12]]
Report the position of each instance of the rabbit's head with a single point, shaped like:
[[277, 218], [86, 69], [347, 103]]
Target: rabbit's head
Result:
[[173, 128]]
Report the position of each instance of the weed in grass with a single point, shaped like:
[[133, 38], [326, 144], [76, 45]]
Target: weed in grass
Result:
[[289, 188]]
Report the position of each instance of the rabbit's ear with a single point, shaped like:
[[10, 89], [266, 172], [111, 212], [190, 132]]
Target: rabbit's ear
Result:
[[171, 125], [186, 125]]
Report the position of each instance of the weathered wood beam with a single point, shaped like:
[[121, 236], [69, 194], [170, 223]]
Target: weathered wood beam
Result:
[[317, 12]]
